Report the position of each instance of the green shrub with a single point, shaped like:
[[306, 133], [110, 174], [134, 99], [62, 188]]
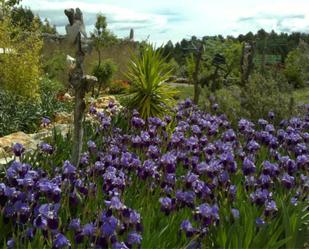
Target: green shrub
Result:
[[49, 90], [20, 67], [55, 66], [150, 95], [118, 87], [229, 102], [296, 66], [104, 73], [262, 95], [17, 113]]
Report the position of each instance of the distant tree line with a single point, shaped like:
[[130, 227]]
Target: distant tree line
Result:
[[271, 43]]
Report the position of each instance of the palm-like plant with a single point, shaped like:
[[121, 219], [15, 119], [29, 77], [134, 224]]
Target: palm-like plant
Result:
[[149, 92]]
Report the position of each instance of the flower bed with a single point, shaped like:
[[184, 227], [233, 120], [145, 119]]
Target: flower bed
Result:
[[188, 181]]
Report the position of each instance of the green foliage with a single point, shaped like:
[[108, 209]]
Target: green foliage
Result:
[[54, 66], [22, 17], [150, 95], [20, 66], [101, 36], [220, 64], [229, 102], [104, 73], [17, 113], [118, 87], [190, 66], [46, 27], [296, 67], [262, 95]]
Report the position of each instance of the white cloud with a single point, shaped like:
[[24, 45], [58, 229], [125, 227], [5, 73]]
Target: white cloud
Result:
[[194, 17]]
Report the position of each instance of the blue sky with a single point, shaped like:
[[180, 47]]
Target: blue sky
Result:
[[163, 20]]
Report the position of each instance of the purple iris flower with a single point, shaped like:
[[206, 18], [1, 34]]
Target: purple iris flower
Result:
[[260, 196], [47, 148], [196, 129], [187, 227], [153, 152], [229, 136], [92, 147], [61, 241], [89, 230], [271, 115], [84, 159], [10, 244], [265, 181], [262, 122], [68, 168], [45, 121], [248, 166], [75, 225], [187, 197], [92, 110], [253, 146], [208, 213], [134, 238], [288, 181], [260, 222], [270, 207], [168, 161], [109, 226], [119, 245], [50, 213], [270, 128], [271, 169], [166, 204], [137, 122], [18, 149], [235, 213], [115, 203]]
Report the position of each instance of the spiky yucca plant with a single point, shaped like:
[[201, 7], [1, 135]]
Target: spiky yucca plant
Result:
[[149, 92]]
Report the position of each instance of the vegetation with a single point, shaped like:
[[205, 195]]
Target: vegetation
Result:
[[102, 37], [150, 94], [296, 66], [17, 113], [118, 87], [20, 65], [227, 172], [189, 181], [104, 72]]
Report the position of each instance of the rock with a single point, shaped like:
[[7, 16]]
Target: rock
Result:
[[6, 160], [67, 97], [64, 129], [102, 102], [3, 153], [6, 142], [44, 133], [29, 141], [26, 140], [63, 118]]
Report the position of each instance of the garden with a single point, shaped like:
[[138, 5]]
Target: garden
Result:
[[131, 159]]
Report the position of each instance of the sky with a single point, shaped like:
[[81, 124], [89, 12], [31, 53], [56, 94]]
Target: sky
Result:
[[162, 20]]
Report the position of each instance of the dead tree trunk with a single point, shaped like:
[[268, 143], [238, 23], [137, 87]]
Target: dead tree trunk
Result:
[[79, 91], [247, 63], [196, 75], [80, 83]]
